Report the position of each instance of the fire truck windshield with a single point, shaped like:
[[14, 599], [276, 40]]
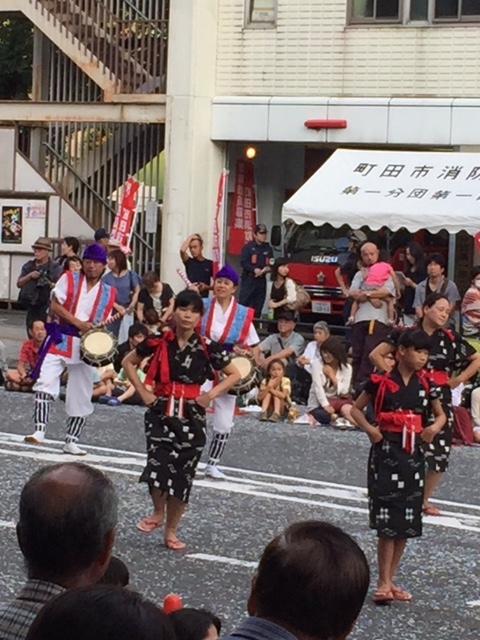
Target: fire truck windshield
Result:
[[303, 242]]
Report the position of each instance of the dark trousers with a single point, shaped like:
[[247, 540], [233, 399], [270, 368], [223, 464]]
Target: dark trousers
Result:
[[366, 336], [252, 293]]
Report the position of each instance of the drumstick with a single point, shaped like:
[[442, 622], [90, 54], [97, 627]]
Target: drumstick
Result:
[[183, 276], [109, 320]]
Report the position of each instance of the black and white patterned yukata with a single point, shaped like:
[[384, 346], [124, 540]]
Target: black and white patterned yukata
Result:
[[449, 352], [175, 444], [395, 477]]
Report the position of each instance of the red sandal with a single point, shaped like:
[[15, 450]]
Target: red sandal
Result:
[[382, 597]]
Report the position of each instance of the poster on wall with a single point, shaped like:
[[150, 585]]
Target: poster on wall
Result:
[[12, 225], [23, 221]]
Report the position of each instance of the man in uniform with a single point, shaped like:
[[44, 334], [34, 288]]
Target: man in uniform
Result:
[[255, 261]]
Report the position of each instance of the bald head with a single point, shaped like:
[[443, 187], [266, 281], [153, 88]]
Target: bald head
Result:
[[67, 512], [369, 253]]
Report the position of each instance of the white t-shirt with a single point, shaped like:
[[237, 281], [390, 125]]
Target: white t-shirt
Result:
[[86, 301], [312, 352], [220, 320]]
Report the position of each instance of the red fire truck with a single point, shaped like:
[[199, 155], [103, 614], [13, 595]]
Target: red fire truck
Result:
[[316, 252]]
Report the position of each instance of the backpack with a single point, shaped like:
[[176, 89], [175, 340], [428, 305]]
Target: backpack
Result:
[[302, 298]]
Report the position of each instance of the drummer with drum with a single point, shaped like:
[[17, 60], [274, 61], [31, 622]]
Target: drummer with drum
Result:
[[230, 324], [80, 301]]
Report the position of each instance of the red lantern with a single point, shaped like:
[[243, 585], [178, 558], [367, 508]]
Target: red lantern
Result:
[[476, 237]]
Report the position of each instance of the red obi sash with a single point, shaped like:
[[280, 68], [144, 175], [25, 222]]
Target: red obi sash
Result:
[[158, 375], [178, 390], [407, 423], [438, 377]]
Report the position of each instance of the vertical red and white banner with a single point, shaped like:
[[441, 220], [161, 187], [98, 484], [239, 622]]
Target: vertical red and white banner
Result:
[[124, 222], [243, 215], [218, 221]]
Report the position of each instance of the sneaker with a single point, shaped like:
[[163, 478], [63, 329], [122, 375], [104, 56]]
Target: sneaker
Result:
[[104, 399], [114, 402], [263, 416], [305, 419], [36, 438], [73, 449], [343, 424], [212, 471], [274, 417]]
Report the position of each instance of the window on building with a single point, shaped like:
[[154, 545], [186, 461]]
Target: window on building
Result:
[[261, 12], [405, 11], [376, 10]]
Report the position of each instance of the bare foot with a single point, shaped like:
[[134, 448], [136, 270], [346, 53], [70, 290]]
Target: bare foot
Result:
[[150, 523]]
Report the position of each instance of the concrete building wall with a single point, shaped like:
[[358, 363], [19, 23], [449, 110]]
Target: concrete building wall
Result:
[[312, 52]]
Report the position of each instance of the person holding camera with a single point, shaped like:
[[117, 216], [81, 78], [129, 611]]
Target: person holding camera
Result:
[[36, 280]]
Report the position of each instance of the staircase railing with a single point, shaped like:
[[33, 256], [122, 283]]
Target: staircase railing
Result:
[[128, 45], [100, 212]]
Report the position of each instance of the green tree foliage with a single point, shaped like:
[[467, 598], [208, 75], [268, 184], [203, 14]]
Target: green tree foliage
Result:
[[16, 53]]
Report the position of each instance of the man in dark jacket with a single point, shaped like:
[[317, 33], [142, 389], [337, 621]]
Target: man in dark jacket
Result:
[[36, 280]]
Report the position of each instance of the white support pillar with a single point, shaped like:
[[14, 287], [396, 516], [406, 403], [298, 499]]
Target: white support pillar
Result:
[[193, 161]]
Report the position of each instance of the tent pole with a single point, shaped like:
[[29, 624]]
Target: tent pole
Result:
[[452, 238]]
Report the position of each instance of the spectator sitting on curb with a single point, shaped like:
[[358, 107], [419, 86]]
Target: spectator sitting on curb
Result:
[[331, 380], [285, 345], [18, 379], [136, 334], [311, 582], [68, 515], [120, 390], [303, 370]]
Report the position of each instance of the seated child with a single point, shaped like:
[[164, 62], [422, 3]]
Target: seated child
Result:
[[274, 392], [121, 390], [376, 276], [18, 379], [152, 321]]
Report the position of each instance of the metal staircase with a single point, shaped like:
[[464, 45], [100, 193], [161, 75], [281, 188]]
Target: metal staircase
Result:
[[118, 45], [100, 52]]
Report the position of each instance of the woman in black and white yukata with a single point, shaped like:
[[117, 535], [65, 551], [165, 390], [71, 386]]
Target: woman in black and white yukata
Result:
[[404, 401], [175, 423], [452, 361]]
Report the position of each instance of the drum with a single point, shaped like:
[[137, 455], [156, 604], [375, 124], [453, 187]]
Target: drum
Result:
[[250, 375], [98, 347]]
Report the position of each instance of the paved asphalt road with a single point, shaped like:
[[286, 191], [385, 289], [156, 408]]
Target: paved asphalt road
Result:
[[276, 475]]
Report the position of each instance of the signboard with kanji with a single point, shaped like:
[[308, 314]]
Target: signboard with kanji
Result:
[[412, 189]]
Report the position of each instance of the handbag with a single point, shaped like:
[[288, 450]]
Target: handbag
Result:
[[302, 298]]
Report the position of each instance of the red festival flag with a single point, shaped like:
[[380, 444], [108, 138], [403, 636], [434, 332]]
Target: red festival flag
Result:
[[216, 250], [243, 213], [124, 218]]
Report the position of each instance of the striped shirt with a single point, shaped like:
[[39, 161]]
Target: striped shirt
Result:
[[16, 617]]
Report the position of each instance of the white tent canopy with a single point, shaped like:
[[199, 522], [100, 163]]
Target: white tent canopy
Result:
[[411, 189]]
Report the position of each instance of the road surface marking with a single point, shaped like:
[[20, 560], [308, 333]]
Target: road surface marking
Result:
[[222, 559], [243, 485]]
